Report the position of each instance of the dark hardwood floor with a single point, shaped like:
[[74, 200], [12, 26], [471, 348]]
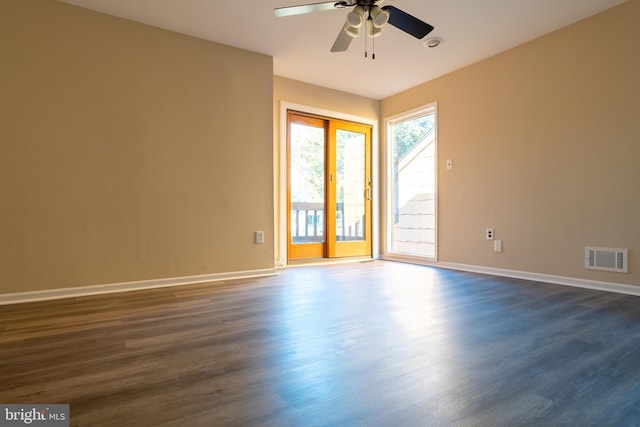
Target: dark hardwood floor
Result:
[[369, 344]]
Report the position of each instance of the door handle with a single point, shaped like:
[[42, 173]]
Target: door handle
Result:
[[368, 193]]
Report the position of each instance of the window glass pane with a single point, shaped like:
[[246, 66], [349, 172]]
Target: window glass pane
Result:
[[413, 214]]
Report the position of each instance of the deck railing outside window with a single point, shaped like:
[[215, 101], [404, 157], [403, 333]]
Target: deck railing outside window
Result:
[[307, 223]]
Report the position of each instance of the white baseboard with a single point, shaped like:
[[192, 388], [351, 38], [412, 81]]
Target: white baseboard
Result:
[[50, 294], [619, 288]]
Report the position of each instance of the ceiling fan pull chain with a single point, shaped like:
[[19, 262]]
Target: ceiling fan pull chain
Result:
[[373, 46], [365, 39]]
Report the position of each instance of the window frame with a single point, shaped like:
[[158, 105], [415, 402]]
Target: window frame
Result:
[[387, 212]]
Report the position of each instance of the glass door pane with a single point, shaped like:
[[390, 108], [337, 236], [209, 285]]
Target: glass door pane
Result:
[[307, 183], [350, 186]]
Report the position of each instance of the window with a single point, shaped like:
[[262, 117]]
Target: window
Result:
[[411, 184]]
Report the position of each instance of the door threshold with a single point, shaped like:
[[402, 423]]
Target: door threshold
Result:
[[327, 261]]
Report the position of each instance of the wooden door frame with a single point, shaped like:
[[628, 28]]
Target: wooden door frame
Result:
[[280, 177], [306, 250], [339, 249], [330, 247]]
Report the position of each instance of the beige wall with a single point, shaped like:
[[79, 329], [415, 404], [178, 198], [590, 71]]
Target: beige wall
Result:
[[127, 152], [545, 140], [319, 98]]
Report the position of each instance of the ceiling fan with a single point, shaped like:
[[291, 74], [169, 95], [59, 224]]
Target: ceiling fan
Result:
[[366, 13]]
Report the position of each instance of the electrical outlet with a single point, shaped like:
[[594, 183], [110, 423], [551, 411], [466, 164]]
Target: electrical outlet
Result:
[[259, 237], [489, 234]]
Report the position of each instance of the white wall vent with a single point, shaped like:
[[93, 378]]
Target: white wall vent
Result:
[[607, 259]]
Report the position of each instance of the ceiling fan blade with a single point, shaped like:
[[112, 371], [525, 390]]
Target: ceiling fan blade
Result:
[[308, 8], [407, 23], [342, 41]]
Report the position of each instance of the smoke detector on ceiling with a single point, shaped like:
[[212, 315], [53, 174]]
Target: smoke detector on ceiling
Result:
[[433, 42]]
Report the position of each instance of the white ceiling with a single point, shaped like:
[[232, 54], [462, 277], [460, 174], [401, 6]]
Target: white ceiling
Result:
[[472, 30]]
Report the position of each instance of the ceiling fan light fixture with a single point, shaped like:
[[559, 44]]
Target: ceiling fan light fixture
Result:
[[356, 17], [379, 17], [352, 31], [372, 30]]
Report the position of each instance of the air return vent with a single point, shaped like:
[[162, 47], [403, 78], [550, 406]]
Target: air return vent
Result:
[[607, 259]]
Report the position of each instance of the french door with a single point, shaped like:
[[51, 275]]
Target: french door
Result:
[[329, 187]]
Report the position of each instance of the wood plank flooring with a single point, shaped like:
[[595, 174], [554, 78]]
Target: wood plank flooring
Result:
[[369, 344]]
